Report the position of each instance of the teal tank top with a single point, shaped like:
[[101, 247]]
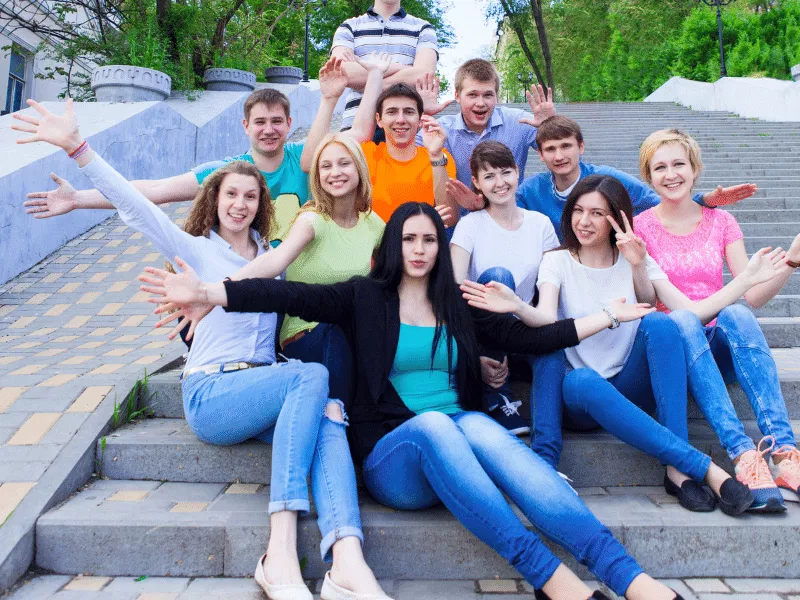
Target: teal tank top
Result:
[[421, 386]]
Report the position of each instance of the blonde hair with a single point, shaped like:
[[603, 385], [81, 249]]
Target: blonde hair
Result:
[[664, 137], [322, 201], [204, 216]]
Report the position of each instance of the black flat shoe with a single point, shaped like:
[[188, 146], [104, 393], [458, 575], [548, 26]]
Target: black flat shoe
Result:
[[735, 497], [691, 495]]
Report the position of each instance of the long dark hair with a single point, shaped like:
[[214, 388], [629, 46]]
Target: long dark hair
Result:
[[443, 293], [618, 202]]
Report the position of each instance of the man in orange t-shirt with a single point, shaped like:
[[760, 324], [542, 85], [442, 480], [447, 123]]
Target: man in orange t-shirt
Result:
[[400, 171]]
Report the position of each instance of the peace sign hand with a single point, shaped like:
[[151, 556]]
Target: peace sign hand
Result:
[[61, 131], [631, 246]]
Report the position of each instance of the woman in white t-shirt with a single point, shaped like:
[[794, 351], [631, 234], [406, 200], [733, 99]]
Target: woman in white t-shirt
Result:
[[605, 386], [502, 243]]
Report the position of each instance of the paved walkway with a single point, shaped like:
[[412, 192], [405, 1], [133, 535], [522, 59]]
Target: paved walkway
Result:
[[59, 587]]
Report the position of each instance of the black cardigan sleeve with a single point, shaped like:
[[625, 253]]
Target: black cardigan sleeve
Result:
[[312, 302], [509, 334]]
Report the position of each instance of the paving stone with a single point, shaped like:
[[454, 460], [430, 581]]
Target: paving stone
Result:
[[34, 429], [87, 584], [760, 596], [707, 585], [151, 585], [780, 586], [9, 395], [497, 586], [435, 590], [40, 587]]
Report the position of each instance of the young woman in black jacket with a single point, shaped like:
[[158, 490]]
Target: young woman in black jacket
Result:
[[414, 419]]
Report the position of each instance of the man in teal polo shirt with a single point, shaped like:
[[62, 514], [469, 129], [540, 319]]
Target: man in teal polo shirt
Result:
[[266, 122]]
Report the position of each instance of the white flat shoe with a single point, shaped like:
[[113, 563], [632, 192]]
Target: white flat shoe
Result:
[[287, 591], [331, 591]]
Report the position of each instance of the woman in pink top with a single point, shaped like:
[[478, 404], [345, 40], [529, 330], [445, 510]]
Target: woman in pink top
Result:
[[691, 244]]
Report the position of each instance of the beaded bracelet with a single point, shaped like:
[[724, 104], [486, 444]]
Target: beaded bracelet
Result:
[[79, 150]]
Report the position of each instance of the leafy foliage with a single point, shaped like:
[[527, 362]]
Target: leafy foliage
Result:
[[625, 49]]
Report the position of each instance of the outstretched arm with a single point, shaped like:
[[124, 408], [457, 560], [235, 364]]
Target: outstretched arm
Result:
[[134, 209], [761, 293], [434, 138], [541, 104]]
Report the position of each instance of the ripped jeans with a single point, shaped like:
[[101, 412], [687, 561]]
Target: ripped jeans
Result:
[[286, 405]]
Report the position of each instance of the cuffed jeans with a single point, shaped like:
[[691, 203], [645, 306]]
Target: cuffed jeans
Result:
[[621, 404], [283, 404], [326, 344], [734, 349], [467, 461]]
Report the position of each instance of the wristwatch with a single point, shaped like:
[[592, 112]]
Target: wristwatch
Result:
[[442, 162], [611, 315]]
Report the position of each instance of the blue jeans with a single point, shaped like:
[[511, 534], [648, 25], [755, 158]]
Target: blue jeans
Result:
[[734, 350], [467, 461], [621, 404], [326, 344], [504, 276], [283, 404]]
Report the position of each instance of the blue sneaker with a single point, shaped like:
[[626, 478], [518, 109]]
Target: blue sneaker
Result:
[[506, 412], [753, 471]]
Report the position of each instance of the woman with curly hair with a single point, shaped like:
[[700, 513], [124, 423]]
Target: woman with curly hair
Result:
[[233, 388]]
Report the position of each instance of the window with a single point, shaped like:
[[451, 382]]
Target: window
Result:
[[16, 83]]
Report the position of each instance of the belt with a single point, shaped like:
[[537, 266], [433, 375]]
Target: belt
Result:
[[220, 368], [295, 337]]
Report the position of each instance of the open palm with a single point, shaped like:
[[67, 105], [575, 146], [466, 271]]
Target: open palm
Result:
[[493, 296], [59, 201], [332, 78], [59, 130]]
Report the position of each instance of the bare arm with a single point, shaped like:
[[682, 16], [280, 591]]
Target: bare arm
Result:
[[159, 191], [764, 266], [758, 295], [460, 259], [273, 263], [633, 248], [434, 138], [424, 62]]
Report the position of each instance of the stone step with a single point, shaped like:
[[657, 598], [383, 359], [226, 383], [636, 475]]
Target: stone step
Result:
[[167, 450], [783, 228], [95, 533], [752, 215], [791, 287], [780, 306]]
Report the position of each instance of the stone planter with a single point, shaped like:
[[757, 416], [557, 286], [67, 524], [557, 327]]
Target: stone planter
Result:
[[229, 80], [125, 83], [291, 75], [796, 73]]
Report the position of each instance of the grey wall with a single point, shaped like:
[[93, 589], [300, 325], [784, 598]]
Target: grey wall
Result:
[[144, 140]]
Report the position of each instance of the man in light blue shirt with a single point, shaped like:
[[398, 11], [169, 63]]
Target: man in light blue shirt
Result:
[[477, 84], [560, 146]]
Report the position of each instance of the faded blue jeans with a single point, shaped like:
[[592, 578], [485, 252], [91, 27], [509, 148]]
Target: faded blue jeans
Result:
[[621, 403], [734, 349], [284, 404], [467, 461]]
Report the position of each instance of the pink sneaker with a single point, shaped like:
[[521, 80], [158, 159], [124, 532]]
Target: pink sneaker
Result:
[[753, 471], [787, 471]]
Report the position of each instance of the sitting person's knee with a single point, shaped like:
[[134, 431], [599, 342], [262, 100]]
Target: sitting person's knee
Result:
[[335, 412], [579, 386]]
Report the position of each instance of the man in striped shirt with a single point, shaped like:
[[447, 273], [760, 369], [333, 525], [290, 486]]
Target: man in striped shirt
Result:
[[385, 27]]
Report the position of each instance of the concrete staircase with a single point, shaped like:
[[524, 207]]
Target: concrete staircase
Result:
[[168, 504]]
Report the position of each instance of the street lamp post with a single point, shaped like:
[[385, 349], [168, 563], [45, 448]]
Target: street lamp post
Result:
[[526, 81], [305, 50], [719, 4]]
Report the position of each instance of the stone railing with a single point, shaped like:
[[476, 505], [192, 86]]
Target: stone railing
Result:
[[767, 99], [143, 140]]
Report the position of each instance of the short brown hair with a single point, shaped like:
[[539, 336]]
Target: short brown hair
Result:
[[491, 154], [203, 216], [399, 90], [558, 127], [268, 96], [662, 138], [479, 70]]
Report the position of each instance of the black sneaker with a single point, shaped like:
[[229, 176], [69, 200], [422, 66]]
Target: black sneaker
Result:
[[506, 412]]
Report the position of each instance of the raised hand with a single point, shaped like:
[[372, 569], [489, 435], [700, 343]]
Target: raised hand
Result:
[[464, 197], [630, 312], [433, 136], [730, 195], [493, 372], [766, 264], [629, 244], [428, 88], [541, 104], [332, 78], [493, 296], [56, 202], [59, 130], [376, 60], [182, 295], [446, 214]]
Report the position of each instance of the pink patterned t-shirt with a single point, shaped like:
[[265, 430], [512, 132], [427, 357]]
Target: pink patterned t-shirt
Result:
[[692, 262]]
